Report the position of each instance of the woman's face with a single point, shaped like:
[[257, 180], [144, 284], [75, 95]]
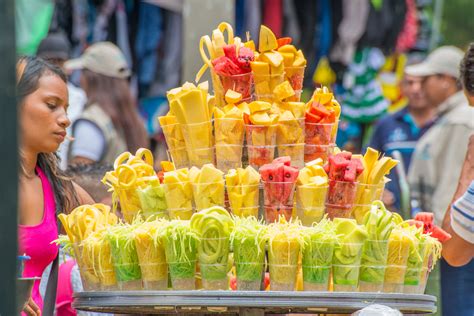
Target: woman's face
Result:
[[43, 118]]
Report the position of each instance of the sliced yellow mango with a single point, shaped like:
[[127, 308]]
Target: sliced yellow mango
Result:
[[232, 96], [257, 106], [267, 40]]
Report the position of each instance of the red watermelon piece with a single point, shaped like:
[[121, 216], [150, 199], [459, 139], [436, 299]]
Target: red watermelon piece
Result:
[[440, 234], [225, 66], [286, 160], [230, 52], [282, 41], [246, 55]]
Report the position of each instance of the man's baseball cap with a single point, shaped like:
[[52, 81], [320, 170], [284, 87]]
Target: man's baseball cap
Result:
[[444, 60], [54, 46], [103, 58]]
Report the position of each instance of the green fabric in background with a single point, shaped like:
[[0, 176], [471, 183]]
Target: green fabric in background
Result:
[[32, 21]]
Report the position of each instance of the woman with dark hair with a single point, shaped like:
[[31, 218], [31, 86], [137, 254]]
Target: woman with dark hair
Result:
[[44, 190], [467, 74], [110, 123]]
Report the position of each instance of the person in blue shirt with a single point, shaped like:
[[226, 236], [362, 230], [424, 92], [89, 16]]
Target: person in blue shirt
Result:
[[401, 130]]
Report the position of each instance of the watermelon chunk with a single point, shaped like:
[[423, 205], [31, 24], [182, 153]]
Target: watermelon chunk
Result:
[[230, 52], [440, 234], [246, 55], [284, 41], [286, 160], [337, 167], [225, 66]]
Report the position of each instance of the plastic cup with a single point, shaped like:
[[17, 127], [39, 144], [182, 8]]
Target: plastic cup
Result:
[[295, 76], [295, 151], [180, 213], [260, 135], [242, 83], [265, 84], [412, 280], [129, 204], [90, 279], [346, 270], [260, 155], [176, 144], [373, 265], [228, 157], [244, 199], [290, 132], [283, 277], [179, 196], [394, 277], [249, 275], [214, 276], [320, 133], [208, 194], [199, 143], [179, 156], [182, 275], [131, 281], [310, 202], [423, 280], [154, 275], [214, 271], [278, 200], [312, 152], [316, 278], [340, 198], [108, 281], [229, 131]]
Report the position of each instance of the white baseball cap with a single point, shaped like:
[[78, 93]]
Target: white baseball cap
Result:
[[444, 60]]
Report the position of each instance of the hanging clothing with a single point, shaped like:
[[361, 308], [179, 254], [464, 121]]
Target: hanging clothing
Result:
[[146, 44], [350, 30], [363, 101], [407, 37], [273, 16], [32, 21], [290, 26], [171, 51]]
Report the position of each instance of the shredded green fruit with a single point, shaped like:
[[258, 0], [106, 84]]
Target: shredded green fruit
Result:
[[124, 253], [320, 241], [153, 201], [248, 242], [181, 249]]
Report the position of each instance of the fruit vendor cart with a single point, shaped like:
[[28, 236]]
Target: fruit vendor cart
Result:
[[247, 302]]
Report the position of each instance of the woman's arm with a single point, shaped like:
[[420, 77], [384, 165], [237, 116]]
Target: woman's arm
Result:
[[82, 195], [457, 251]]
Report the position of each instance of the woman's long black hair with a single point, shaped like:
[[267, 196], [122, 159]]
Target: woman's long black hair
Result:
[[467, 70], [29, 71]]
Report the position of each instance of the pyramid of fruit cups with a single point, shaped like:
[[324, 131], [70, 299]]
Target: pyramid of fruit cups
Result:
[[298, 215]]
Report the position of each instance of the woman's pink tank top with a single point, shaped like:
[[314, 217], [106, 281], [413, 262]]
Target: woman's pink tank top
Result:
[[35, 241]]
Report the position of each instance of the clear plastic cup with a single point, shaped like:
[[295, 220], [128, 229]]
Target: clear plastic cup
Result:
[[179, 156], [129, 204], [346, 278], [180, 213], [278, 200], [244, 199], [340, 198], [176, 144], [394, 278], [373, 265], [131, 280], [155, 276], [108, 281], [320, 133], [179, 196], [228, 157], [290, 132], [310, 202], [214, 276], [260, 135], [249, 275], [208, 194], [365, 195], [182, 275], [90, 279], [374, 284], [295, 76], [283, 277], [260, 155], [199, 143], [265, 84], [346, 266], [316, 278], [412, 280], [294, 151], [423, 280], [229, 131], [312, 152], [242, 83]]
